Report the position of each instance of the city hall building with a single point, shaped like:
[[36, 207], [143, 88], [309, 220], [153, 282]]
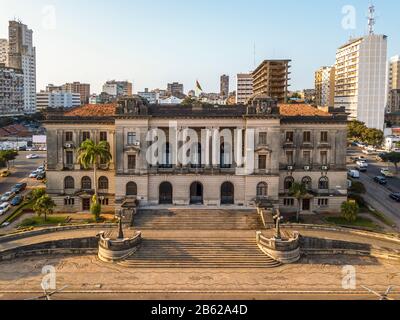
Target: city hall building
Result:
[[272, 147]]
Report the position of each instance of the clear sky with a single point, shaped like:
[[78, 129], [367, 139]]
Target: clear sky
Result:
[[152, 42]]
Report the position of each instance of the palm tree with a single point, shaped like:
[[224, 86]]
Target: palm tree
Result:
[[298, 191], [91, 154], [44, 205]]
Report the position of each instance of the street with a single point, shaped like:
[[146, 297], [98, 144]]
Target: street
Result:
[[20, 170], [377, 195]]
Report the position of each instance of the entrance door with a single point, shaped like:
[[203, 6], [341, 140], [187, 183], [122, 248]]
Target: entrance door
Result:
[[227, 193], [86, 204], [196, 193], [306, 204], [165, 193]]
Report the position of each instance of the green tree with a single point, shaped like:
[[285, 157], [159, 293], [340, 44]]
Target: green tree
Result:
[[356, 129], [350, 210], [90, 155], [8, 155], [38, 193], [393, 157], [298, 191], [373, 137], [44, 206], [95, 208], [357, 187]]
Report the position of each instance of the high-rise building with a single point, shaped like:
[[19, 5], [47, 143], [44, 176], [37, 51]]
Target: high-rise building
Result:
[[224, 86], [393, 104], [76, 87], [4, 51], [22, 55], [325, 87], [175, 89], [118, 88], [57, 99], [360, 80], [271, 78], [11, 91], [394, 73], [361, 77], [244, 87]]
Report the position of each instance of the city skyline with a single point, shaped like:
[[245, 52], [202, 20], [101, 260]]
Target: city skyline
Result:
[[193, 42]]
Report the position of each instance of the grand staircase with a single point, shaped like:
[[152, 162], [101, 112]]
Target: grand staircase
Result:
[[197, 219], [216, 252]]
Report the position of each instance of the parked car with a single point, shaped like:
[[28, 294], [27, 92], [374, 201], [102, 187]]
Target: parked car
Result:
[[395, 197], [381, 180], [33, 175], [354, 174], [7, 196], [362, 164], [19, 187], [362, 169], [4, 207], [32, 156], [16, 201], [41, 168], [387, 173], [5, 173], [41, 176]]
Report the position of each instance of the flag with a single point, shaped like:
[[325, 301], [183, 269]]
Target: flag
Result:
[[198, 86]]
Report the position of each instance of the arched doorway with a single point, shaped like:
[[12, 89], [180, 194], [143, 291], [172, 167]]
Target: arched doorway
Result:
[[196, 193], [165, 193], [227, 193]]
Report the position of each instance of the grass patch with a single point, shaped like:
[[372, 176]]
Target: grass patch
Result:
[[39, 221], [360, 222], [20, 211]]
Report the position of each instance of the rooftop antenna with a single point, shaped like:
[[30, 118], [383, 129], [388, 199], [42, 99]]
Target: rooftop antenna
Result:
[[371, 19]]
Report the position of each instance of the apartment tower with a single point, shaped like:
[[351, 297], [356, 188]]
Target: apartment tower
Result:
[[22, 55], [325, 87], [244, 87], [271, 78]]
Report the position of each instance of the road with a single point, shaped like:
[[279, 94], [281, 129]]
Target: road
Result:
[[378, 196], [21, 168]]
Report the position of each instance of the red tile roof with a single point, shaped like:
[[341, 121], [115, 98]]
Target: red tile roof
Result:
[[92, 110], [305, 110]]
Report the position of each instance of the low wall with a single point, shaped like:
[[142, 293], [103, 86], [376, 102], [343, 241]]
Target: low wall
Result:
[[65, 246], [27, 234]]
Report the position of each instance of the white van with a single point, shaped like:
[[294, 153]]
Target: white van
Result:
[[354, 174]]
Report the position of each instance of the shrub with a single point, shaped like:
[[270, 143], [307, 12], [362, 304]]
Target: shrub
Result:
[[350, 210]]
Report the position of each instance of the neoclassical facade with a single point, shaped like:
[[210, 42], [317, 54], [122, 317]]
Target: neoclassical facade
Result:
[[243, 155]]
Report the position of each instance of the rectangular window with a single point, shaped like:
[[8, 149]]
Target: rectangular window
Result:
[[262, 162], [307, 137], [131, 162], [289, 158], [85, 135], [324, 136], [103, 136], [131, 138], [288, 202], [307, 157], [68, 136], [324, 158], [263, 138], [69, 158], [323, 202], [289, 136]]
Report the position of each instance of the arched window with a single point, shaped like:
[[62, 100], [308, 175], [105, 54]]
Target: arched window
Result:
[[262, 189], [166, 156], [227, 193], [196, 156], [323, 183], [225, 155], [307, 183], [103, 183], [69, 183], [86, 183], [288, 183], [131, 189]]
